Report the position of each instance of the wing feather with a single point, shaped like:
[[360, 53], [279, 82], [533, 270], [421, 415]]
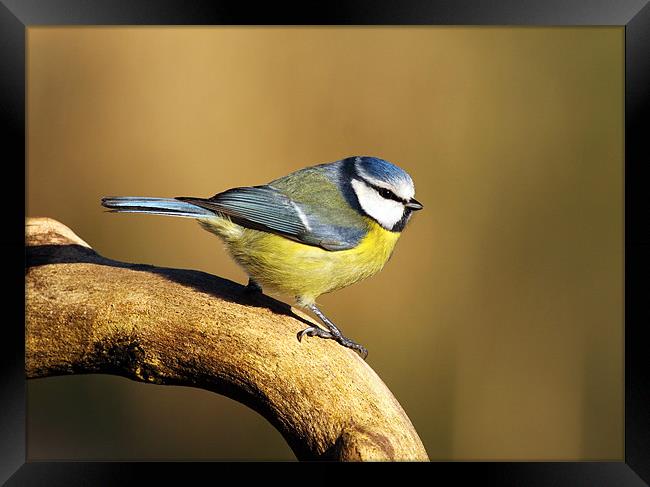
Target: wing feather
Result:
[[268, 209]]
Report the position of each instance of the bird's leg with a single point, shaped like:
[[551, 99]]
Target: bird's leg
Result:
[[333, 334], [253, 287]]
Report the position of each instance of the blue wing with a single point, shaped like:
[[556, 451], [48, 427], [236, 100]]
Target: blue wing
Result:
[[268, 209]]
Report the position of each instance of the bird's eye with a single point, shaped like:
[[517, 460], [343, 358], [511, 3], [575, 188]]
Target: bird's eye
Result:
[[386, 193]]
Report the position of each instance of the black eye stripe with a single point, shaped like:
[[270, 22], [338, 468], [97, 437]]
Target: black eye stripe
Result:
[[387, 194]]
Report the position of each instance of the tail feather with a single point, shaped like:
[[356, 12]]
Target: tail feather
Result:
[[155, 206]]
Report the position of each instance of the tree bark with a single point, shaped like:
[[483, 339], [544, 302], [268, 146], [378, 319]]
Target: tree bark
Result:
[[89, 314]]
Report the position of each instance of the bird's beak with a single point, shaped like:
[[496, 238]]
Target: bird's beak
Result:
[[414, 204]]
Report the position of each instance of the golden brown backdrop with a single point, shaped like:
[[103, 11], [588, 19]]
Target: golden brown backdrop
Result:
[[498, 323]]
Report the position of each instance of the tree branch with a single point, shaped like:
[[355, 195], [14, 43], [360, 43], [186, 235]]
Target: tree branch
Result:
[[89, 314]]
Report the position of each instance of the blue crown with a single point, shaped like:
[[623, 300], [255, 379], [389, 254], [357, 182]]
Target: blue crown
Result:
[[382, 170]]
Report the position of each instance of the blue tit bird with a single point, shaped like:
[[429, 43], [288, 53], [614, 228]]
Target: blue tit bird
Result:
[[310, 232]]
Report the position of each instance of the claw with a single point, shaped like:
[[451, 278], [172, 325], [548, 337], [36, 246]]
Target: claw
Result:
[[307, 331], [363, 352], [360, 349], [314, 331]]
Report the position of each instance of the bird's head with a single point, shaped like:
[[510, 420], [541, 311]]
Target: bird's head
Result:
[[385, 192]]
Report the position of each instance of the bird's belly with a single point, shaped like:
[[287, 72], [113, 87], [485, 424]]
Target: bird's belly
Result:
[[306, 271]]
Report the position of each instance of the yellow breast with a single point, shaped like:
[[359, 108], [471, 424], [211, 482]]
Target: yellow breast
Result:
[[300, 270]]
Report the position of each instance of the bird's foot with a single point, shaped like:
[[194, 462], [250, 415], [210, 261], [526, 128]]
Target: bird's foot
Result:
[[346, 342], [314, 331], [360, 349]]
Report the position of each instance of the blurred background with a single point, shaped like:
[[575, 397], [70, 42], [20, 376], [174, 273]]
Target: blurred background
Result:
[[504, 339]]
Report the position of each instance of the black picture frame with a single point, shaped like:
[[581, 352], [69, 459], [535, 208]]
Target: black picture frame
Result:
[[17, 15]]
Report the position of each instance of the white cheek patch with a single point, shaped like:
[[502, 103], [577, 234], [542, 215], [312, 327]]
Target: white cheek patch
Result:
[[386, 212]]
